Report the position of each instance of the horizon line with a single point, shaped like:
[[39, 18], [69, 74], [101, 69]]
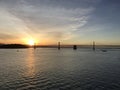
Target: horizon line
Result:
[[62, 44]]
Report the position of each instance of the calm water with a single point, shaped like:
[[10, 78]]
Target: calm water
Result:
[[51, 69]]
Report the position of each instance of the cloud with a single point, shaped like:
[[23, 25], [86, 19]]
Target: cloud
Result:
[[7, 37], [4, 36], [46, 19]]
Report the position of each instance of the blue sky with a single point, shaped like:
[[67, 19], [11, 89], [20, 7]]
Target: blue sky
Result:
[[68, 21]]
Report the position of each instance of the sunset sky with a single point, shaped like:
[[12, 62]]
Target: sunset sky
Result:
[[68, 21]]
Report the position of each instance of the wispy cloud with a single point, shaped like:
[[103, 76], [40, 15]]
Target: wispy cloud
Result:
[[41, 19]]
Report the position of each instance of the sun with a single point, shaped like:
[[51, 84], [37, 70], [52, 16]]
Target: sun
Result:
[[31, 42]]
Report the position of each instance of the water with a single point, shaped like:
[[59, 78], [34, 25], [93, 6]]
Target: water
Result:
[[65, 69]]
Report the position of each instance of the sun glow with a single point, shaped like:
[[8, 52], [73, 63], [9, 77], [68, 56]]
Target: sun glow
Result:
[[31, 42]]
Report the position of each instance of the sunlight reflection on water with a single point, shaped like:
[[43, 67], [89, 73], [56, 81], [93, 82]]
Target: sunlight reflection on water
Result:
[[30, 63]]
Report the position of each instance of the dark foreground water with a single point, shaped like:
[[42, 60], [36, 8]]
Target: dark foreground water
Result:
[[51, 69]]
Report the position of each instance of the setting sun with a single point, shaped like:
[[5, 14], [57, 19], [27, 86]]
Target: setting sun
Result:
[[31, 42]]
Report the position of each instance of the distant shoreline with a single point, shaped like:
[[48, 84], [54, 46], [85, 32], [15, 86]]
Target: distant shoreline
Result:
[[13, 46], [21, 46]]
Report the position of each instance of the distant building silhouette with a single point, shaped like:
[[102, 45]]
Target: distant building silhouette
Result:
[[74, 47]]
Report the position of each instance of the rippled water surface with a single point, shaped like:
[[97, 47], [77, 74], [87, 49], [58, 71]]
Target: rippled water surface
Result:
[[66, 69]]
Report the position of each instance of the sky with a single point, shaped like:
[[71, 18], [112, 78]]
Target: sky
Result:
[[68, 21]]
